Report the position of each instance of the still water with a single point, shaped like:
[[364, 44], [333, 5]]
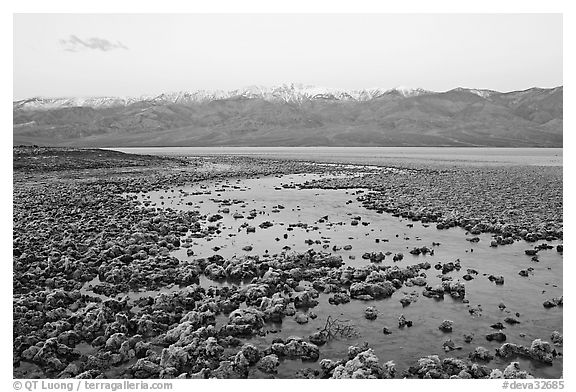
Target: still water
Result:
[[524, 295]]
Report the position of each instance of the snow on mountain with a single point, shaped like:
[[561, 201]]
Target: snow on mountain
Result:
[[480, 92], [39, 103], [408, 92], [293, 92]]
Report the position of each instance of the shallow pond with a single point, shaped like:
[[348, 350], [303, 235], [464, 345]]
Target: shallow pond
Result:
[[325, 216]]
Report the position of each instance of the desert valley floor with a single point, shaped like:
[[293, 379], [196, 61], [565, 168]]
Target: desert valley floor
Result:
[[239, 266]]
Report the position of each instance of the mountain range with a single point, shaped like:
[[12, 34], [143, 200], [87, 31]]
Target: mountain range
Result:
[[297, 115]]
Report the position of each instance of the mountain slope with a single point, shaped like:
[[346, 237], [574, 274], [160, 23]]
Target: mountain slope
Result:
[[296, 115]]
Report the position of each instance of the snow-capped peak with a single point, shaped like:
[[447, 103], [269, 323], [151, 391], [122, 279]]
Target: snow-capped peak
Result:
[[408, 91], [480, 92], [293, 92]]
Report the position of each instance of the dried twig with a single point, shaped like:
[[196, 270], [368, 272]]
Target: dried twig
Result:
[[338, 328]]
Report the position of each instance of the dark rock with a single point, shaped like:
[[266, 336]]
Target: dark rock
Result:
[[446, 326], [481, 354], [269, 364], [361, 290], [371, 313], [402, 322], [318, 338], [339, 298], [496, 336], [511, 320], [557, 338], [551, 303]]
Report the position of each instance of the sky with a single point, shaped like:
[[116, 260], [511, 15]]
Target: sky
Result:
[[80, 55]]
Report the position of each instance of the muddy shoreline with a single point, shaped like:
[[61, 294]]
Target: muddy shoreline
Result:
[[74, 224]]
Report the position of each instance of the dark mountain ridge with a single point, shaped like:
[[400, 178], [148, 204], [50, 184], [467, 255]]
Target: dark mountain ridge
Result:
[[305, 117]]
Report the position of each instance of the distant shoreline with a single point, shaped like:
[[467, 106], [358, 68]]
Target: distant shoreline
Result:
[[376, 155]]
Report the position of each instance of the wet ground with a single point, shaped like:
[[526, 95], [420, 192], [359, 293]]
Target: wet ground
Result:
[[74, 225], [322, 219]]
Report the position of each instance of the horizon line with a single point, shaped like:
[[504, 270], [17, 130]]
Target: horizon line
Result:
[[281, 85]]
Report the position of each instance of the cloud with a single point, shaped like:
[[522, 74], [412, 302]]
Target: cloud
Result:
[[75, 44]]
